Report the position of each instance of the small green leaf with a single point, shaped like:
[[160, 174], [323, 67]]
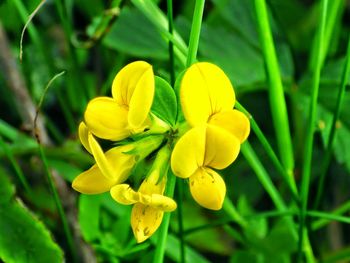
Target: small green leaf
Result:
[[164, 103], [7, 190]]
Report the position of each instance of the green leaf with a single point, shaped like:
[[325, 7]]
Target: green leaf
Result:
[[135, 35], [246, 257], [164, 103], [89, 214], [23, 237]]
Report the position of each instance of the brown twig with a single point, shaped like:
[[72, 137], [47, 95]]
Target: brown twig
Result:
[[27, 111]]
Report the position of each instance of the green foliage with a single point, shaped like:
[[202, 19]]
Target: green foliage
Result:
[[23, 237]]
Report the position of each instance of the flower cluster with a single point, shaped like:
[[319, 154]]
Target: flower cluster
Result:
[[204, 136]]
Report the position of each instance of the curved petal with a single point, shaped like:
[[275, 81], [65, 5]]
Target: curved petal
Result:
[[114, 164], [205, 90], [83, 136], [92, 182], [189, 152], [141, 100], [163, 203], [106, 119], [124, 194], [221, 147], [145, 220], [126, 81], [100, 158], [208, 188], [234, 121]]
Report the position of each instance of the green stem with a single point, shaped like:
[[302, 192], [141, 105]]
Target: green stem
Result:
[[323, 222], [195, 32], [271, 153], [180, 194], [155, 15], [171, 44], [328, 216], [327, 157], [262, 175], [306, 170], [334, 15], [276, 93], [230, 210], [164, 228], [58, 203]]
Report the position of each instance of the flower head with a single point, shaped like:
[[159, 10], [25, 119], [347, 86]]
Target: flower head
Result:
[[128, 111]]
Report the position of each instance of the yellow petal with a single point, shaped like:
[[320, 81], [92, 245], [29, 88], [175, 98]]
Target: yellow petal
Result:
[[221, 147], [141, 100], [124, 194], [101, 159], [189, 152], [145, 220], [208, 188], [163, 203], [127, 79], [106, 119], [205, 90], [114, 164], [92, 182], [83, 136], [233, 121]]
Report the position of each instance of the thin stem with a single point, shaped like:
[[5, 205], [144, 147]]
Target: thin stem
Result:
[[306, 170], [58, 203], [328, 216], [262, 175], [323, 222], [230, 210], [164, 228], [171, 44], [327, 157], [180, 194], [276, 93], [270, 152], [195, 32]]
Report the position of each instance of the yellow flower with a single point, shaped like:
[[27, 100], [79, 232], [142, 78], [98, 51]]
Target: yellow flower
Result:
[[207, 96], [196, 153], [128, 111], [207, 100], [149, 201], [112, 167]]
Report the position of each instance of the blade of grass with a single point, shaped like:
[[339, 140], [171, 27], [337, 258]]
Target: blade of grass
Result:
[[329, 148], [262, 175], [335, 9], [276, 92], [306, 169]]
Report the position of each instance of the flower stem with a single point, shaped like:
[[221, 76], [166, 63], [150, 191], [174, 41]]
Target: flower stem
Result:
[[171, 44], [327, 157], [163, 231], [195, 32], [58, 203], [306, 171], [276, 93]]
